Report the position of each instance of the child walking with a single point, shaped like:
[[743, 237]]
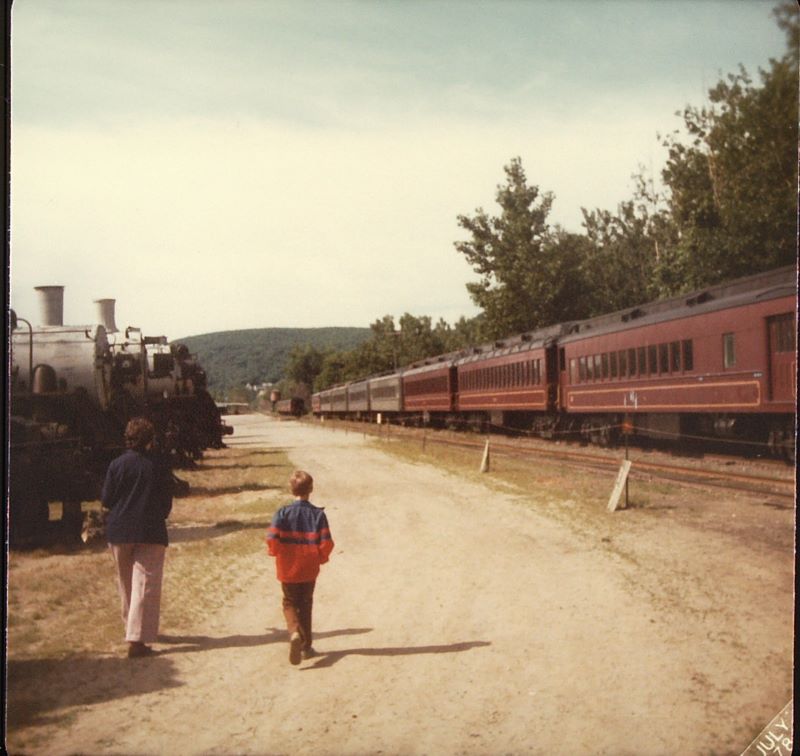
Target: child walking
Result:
[[300, 540]]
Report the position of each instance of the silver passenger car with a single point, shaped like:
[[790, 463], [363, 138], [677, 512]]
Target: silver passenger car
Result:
[[358, 397], [386, 393]]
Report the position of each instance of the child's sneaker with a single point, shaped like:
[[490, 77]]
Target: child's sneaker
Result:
[[295, 648], [309, 653]]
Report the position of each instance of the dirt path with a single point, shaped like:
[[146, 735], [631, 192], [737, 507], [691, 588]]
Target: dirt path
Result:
[[453, 619]]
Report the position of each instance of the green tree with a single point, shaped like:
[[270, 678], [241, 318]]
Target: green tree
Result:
[[526, 274], [463, 333], [418, 338], [304, 365], [629, 256], [332, 371], [732, 176]]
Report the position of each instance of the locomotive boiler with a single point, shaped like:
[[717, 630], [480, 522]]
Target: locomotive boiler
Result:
[[73, 389]]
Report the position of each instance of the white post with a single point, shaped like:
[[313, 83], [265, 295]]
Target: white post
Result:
[[622, 477], [485, 460]]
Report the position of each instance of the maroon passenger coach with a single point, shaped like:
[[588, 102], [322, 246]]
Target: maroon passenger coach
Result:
[[721, 362], [512, 382], [429, 389]]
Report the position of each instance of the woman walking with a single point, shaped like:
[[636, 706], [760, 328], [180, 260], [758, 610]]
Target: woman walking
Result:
[[138, 494]]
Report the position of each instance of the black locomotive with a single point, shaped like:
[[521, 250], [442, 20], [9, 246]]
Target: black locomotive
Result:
[[73, 388]]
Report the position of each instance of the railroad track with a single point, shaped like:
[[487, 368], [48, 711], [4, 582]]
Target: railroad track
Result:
[[776, 479]]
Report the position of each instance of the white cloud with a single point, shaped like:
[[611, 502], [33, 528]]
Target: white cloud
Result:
[[197, 226], [304, 165]]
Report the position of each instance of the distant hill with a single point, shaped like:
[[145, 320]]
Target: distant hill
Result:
[[232, 359]]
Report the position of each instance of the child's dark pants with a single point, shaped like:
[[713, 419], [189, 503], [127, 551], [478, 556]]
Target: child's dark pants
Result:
[[298, 599]]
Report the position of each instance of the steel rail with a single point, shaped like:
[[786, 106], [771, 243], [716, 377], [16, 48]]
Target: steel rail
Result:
[[747, 482]]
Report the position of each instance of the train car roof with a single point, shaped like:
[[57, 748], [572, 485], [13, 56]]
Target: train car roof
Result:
[[436, 362], [781, 282], [331, 389], [386, 376], [522, 342]]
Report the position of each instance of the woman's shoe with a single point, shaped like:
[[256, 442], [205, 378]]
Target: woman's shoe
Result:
[[137, 649]]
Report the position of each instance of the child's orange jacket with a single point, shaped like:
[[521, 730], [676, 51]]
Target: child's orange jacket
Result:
[[300, 540]]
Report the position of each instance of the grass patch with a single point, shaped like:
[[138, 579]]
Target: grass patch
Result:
[[577, 497], [63, 602]]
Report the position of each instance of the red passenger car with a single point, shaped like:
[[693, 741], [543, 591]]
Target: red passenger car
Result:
[[511, 383], [429, 389], [719, 361]]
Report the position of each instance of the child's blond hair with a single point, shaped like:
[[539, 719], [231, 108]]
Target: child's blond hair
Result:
[[301, 483]]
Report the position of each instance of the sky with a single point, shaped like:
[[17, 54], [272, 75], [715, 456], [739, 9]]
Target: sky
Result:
[[254, 163]]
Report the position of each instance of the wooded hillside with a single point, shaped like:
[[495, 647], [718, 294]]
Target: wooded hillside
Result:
[[233, 359]]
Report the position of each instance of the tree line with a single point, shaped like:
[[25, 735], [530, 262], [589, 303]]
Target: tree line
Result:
[[727, 208]]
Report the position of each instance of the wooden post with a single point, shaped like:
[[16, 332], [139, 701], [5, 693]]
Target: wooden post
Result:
[[622, 479], [485, 460], [627, 429]]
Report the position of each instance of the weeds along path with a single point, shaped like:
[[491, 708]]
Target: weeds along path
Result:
[[454, 618]]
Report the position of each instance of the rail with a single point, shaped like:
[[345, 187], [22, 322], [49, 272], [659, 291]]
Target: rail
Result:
[[776, 481]]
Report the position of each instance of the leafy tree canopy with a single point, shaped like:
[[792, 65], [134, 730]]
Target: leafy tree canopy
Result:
[[732, 177], [526, 274], [728, 209]]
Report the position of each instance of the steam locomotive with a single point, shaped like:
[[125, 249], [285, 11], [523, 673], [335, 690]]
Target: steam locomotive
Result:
[[720, 362], [73, 389]]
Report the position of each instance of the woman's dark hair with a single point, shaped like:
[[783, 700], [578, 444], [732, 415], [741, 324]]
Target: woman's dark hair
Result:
[[139, 433]]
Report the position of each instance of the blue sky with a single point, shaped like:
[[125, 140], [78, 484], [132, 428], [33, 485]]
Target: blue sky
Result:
[[250, 164]]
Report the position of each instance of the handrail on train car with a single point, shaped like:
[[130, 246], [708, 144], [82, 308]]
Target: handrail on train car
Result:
[[15, 320]]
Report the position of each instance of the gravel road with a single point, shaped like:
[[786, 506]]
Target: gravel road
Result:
[[454, 618]]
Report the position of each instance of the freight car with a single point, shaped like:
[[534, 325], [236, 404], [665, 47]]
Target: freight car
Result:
[[72, 390], [294, 407], [720, 362]]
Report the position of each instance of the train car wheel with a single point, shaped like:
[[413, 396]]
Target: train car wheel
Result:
[[782, 441]]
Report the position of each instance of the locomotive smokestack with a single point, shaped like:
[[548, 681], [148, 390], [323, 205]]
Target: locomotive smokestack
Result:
[[51, 305], [105, 314]]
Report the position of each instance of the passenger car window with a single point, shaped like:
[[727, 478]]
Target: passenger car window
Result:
[[687, 353], [641, 360], [728, 350], [663, 358], [652, 356], [675, 356]]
